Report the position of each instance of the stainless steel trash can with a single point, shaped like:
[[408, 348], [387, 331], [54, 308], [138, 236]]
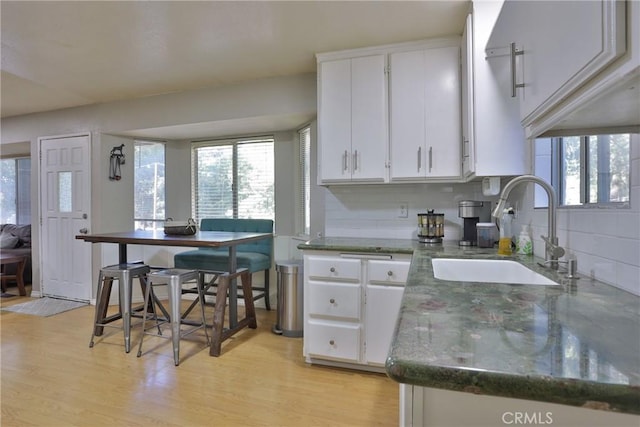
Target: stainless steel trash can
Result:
[[290, 318]]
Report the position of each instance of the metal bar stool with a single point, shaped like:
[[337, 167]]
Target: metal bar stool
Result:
[[124, 273], [174, 278]]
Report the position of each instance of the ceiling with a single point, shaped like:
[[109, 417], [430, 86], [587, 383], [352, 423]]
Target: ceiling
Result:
[[66, 54]]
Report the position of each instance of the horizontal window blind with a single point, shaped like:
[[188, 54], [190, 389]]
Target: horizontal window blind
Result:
[[233, 179]]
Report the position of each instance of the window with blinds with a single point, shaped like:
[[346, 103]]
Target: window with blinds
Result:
[[233, 179], [149, 185], [305, 171], [15, 190]]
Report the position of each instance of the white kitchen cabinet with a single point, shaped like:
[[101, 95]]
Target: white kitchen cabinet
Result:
[[351, 303], [562, 44], [494, 142], [384, 289], [332, 308], [352, 116], [425, 114]]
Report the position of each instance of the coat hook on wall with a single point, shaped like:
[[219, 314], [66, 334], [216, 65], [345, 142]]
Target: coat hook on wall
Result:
[[115, 161]]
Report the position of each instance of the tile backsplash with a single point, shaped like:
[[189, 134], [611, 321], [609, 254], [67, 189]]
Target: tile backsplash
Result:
[[373, 210]]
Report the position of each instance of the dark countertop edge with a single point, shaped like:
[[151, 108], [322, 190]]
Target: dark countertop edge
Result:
[[619, 398]]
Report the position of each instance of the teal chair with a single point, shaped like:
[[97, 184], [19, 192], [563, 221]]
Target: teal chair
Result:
[[255, 256]]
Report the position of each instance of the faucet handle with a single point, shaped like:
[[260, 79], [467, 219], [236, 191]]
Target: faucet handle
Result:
[[553, 249]]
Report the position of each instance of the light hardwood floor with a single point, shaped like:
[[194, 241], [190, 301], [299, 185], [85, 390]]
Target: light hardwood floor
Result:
[[50, 377]]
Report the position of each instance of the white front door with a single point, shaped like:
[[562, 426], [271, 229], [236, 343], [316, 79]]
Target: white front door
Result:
[[65, 202]]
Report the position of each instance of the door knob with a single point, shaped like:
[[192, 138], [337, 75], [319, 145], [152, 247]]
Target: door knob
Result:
[[83, 231]]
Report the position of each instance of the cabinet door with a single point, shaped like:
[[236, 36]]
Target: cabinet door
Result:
[[499, 150], [407, 107], [334, 120], [564, 44], [383, 305], [425, 114], [466, 58], [442, 112], [368, 118]]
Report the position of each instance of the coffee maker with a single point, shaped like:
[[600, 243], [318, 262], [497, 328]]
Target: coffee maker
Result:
[[472, 212]]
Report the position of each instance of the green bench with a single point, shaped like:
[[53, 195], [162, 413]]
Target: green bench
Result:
[[254, 256]]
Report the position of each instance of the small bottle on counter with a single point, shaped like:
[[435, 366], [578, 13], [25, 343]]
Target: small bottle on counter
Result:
[[524, 244], [504, 244]]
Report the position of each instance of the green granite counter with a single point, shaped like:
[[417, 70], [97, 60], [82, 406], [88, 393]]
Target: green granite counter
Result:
[[577, 343]]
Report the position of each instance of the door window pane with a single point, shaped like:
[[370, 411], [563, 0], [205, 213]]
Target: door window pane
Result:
[[65, 192]]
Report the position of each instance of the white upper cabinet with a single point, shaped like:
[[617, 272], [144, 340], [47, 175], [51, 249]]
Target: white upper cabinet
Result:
[[374, 128], [493, 138], [352, 116], [425, 115], [559, 45]]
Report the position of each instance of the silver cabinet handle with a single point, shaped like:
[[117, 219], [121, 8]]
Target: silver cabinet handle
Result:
[[332, 269], [344, 161], [389, 273], [514, 85], [83, 231], [419, 158], [332, 301], [332, 342], [355, 161], [430, 158]]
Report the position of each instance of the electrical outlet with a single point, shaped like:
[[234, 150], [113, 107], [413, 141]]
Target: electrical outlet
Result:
[[403, 210]]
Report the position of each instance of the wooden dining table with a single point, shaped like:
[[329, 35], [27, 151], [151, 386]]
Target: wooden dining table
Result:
[[201, 239]]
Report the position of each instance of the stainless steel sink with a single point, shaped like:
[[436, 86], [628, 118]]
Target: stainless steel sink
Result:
[[479, 271]]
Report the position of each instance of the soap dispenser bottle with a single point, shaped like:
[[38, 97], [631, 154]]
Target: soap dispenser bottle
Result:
[[524, 245], [504, 244]]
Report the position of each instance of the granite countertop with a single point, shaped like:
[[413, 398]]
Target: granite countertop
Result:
[[577, 343]]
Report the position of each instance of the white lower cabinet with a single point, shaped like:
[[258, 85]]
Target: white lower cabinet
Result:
[[351, 303]]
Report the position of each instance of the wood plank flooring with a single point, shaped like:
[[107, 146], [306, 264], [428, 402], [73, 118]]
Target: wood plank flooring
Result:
[[50, 377]]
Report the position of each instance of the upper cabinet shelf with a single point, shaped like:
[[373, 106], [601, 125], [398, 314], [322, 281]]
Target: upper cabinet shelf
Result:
[[555, 47]]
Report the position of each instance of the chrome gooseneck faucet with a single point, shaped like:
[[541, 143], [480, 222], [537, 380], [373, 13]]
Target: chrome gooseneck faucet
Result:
[[552, 250]]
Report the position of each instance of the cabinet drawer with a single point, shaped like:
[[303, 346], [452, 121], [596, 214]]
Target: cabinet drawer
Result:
[[333, 341], [334, 300], [334, 268], [388, 272]]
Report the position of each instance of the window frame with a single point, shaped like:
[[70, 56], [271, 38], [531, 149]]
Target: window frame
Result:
[[304, 196], [557, 173]]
